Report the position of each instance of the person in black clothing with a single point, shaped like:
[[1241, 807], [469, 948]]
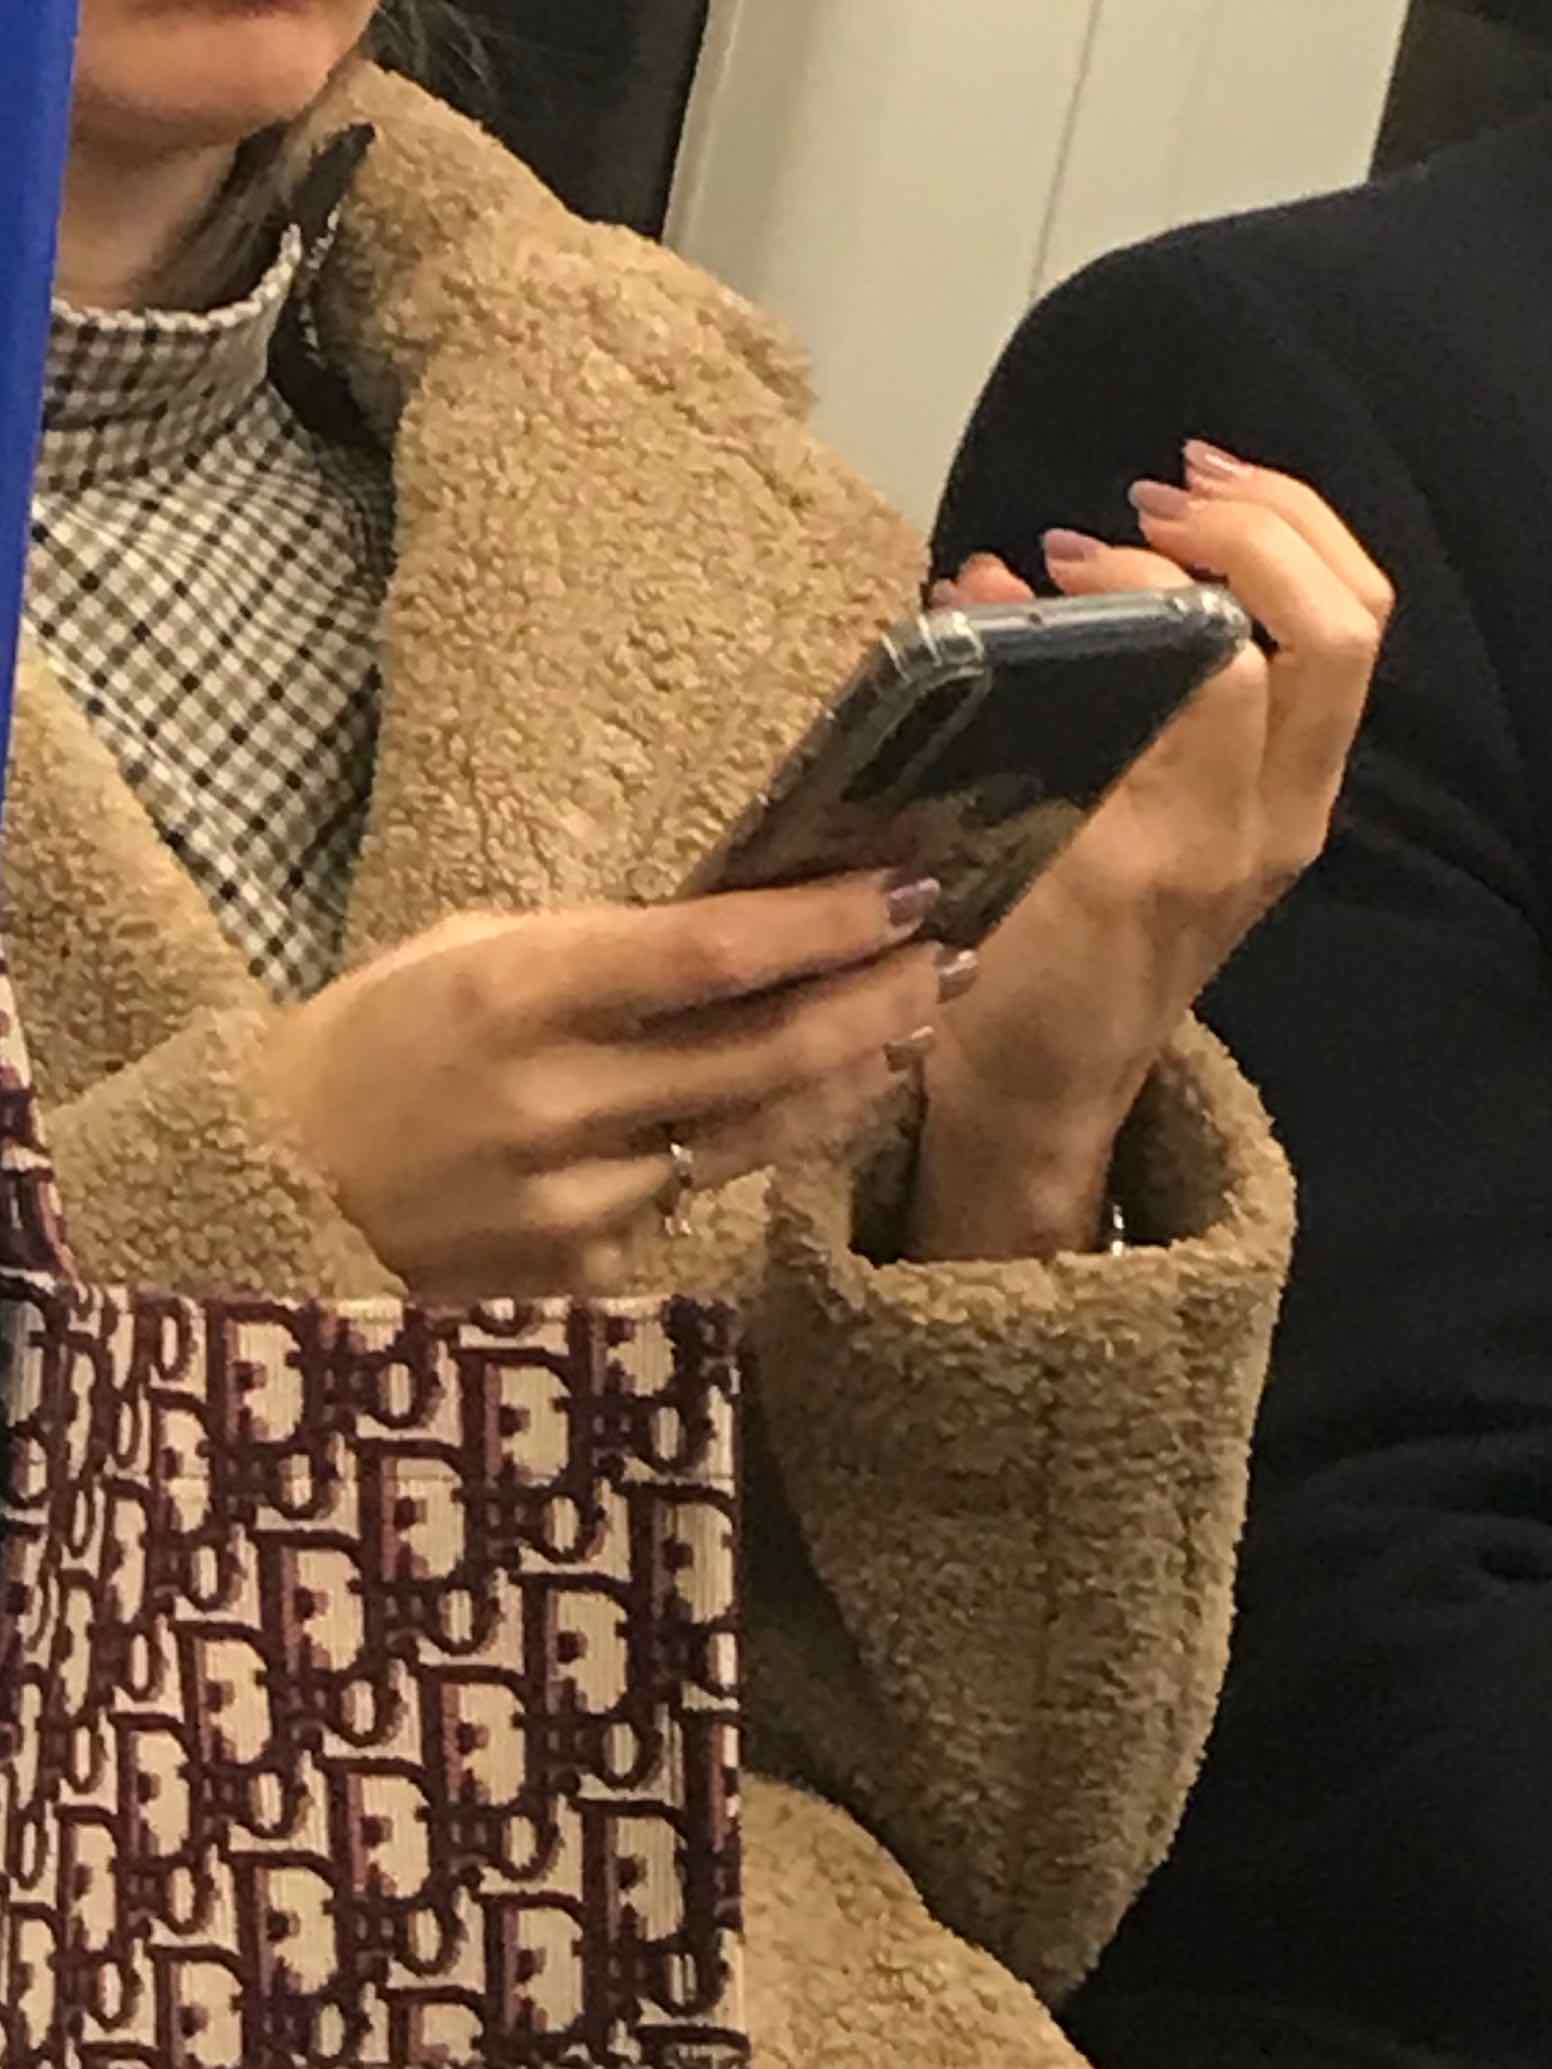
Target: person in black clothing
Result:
[[1365, 1873]]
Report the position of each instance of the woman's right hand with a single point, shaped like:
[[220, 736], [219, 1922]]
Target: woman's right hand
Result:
[[493, 1102]]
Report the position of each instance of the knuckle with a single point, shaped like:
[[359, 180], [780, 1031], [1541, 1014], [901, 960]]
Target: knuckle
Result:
[[1353, 640], [1206, 875], [715, 957], [1300, 499], [914, 996], [553, 1211], [477, 993], [816, 1041], [1165, 881], [1298, 849], [536, 1120], [1381, 599], [1259, 525], [809, 1046]]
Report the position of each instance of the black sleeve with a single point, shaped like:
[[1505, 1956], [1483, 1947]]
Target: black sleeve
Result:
[[1373, 1833]]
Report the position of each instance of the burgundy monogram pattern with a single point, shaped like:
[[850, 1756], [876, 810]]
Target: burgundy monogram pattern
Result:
[[368, 1678]]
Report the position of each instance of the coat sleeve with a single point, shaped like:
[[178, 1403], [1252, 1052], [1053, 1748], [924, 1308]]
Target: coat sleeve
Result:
[[991, 1611], [177, 1171], [991, 1598]]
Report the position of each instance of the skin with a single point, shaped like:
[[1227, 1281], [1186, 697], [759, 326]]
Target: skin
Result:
[[166, 91], [569, 1047]]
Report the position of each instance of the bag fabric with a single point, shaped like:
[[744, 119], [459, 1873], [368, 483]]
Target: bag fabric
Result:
[[368, 1677]]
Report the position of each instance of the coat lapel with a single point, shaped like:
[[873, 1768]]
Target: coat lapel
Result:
[[626, 575], [112, 945]]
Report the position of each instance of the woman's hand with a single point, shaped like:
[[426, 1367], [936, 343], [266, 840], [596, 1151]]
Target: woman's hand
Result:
[[1085, 983], [493, 1102]]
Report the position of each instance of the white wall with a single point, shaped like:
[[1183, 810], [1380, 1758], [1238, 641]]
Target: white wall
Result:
[[897, 178], [1194, 108]]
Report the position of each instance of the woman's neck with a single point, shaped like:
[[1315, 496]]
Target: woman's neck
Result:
[[124, 224]]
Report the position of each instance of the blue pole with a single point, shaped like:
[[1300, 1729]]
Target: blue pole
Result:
[[37, 40]]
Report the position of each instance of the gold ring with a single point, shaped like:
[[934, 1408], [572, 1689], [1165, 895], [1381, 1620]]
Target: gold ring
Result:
[[673, 1201]]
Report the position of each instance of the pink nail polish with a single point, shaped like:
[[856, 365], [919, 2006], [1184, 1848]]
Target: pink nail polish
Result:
[[909, 899], [1158, 499], [1063, 545], [1212, 463], [903, 1056], [957, 972]]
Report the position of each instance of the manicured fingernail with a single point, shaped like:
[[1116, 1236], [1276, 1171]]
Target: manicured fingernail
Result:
[[908, 899], [1158, 499], [1063, 545], [904, 1056], [958, 968], [1212, 463]]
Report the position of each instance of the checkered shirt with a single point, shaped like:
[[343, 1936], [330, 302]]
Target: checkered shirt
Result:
[[206, 580]]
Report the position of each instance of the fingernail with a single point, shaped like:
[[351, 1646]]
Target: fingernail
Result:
[[905, 1055], [908, 899], [958, 968], [979, 562], [943, 593], [1062, 544], [1212, 463], [1158, 499]]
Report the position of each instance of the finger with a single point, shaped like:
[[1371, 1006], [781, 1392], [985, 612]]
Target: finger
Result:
[[614, 965], [1084, 566], [734, 1058], [1218, 475], [1328, 641], [1208, 760], [569, 1228], [1272, 568], [986, 579], [566, 1229], [818, 1122]]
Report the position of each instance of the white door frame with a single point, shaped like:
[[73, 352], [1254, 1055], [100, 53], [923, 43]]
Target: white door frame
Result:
[[895, 179]]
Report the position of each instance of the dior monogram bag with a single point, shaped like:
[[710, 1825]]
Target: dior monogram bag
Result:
[[368, 1678]]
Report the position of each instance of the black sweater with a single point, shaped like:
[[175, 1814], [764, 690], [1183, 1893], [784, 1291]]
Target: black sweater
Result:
[[1371, 1842]]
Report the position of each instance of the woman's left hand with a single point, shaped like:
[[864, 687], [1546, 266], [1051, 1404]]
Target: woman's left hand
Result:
[[1085, 983]]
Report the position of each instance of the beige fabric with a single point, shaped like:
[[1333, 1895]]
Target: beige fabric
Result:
[[993, 1509]]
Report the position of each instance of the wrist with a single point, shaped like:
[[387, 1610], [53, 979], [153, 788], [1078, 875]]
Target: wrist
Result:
[[1003, 1179]]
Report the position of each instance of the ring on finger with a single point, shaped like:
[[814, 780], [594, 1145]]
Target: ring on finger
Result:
[[674, 1199]]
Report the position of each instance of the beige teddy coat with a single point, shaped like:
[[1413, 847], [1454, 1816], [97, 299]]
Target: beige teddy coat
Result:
[[992, 1509]]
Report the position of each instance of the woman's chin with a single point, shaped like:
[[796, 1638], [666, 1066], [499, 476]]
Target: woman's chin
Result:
[[248, 69]]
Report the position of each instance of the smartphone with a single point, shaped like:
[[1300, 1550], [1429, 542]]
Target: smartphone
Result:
[[972, 744]]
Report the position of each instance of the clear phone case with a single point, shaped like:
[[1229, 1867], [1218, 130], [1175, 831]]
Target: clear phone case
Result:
[[972, 744]]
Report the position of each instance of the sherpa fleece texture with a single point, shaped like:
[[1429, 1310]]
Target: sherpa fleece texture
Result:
[[993, 1508]]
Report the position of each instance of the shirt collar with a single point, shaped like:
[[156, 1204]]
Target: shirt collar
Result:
[[132, 390]]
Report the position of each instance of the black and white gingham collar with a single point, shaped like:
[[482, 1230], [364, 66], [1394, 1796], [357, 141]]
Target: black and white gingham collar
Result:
[[130, 390], [206, 578]]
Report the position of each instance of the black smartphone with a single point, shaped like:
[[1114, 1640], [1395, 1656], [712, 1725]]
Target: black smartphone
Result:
[[973, 743]]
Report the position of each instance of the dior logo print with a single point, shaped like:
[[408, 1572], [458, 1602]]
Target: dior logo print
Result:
[[368, 1686]]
